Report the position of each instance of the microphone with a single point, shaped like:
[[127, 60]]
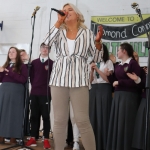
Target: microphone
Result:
[[134, 5], [58, 11], [35, 10]]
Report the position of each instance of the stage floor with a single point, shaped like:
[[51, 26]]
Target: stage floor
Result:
[[38, 147]]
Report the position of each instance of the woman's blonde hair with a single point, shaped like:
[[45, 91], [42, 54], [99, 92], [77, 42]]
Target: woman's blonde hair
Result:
[[80, 19]]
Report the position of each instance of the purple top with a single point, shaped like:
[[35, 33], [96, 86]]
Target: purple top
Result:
[[38, 76], [120, 75], [14, 77]]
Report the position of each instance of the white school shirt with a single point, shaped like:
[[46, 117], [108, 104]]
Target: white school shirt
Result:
[[103, 65], [45, 59]]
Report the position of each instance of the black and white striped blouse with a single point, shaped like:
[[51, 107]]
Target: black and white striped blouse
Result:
[[72, 71]]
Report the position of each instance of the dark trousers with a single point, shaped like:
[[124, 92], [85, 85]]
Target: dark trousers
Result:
[[39, 107]]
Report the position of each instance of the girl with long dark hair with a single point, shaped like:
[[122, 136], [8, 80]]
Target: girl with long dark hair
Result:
[[13, 75], [100, 99]]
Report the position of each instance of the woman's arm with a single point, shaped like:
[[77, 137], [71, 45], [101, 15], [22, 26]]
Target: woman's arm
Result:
[[93, 51], [50, 37], [98, 42]]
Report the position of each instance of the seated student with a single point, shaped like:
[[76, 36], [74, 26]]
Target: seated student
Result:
[[39, 102], [13, 75]]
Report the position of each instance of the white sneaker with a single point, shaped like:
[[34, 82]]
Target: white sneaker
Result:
[[7, 140], [76, 146]]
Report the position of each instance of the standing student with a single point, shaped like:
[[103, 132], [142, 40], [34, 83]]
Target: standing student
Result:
[[39, 100], [13, 76], [140, 121], [25, 59], [125, 100], [70, 76], [24, 56], [100, 99]]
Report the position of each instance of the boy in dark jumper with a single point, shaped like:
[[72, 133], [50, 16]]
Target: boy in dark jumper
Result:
[[39, 101]]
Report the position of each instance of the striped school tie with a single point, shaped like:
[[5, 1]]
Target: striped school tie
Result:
[[42, 60], [11, 64]]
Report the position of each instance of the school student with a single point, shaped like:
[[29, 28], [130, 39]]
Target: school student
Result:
[[125, 101], [140, 121], [100, 99], [39, 102], [13, 76]]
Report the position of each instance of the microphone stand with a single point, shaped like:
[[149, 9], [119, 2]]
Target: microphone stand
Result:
[[147, 129], [21, 144]]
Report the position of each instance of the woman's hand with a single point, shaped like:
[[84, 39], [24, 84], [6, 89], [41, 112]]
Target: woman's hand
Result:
[[98, 43], [99, 34], [132, 76], [115, 83], [2, 69], [60, 19]]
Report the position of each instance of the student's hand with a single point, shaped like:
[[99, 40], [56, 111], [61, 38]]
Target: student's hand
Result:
[[112, 58], [107, 72], [91, 65], [145, 69], [6, 70], [95, 68], [115, 83], [2, 69], [132, 76]]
